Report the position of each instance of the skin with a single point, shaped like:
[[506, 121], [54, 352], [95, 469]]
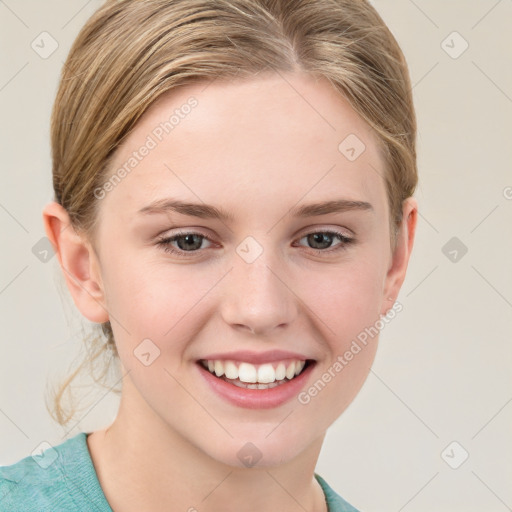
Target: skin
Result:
[[256, 148]]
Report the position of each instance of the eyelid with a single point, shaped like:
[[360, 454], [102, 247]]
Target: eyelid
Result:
[[347, 233], [165, 241], [345, 240], [178, 232], [161, 239]]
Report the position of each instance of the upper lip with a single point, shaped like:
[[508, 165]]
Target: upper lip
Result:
[[255, 357]]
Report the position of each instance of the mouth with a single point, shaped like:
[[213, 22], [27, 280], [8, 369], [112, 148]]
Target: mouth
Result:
[[256, 376]]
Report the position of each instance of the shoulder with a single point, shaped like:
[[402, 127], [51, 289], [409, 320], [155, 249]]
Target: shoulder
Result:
[[56, 478], [35, 483], [335, 502]]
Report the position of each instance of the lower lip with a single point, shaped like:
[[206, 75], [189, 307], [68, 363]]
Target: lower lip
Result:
[[257, 398]]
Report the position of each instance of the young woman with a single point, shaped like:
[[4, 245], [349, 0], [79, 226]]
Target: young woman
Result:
[[233, 205]]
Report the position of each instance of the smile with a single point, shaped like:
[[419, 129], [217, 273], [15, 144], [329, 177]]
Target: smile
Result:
[[251, 376]]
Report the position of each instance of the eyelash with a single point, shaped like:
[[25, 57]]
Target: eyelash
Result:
[[165, 243]]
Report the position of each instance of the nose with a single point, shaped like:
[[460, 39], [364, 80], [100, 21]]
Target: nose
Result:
[[258, 297]]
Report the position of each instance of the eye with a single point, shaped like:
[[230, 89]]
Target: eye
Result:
[[191, 242], [321, 241], [188, 242]]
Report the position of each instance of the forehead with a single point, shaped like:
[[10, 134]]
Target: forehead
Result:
[[251, 143]]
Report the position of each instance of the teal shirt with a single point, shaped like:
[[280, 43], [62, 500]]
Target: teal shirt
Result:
[[63, 479]]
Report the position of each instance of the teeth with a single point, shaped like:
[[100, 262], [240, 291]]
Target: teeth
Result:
[[255, 377], [266, 374], [219, 368], [280, 371], [231, 370], [290, 371], [247, 372]]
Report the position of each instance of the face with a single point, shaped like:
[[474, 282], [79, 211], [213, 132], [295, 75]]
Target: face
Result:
[[253, 274]]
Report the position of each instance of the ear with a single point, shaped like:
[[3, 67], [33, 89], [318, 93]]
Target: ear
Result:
[[400, 258], [78, 261]]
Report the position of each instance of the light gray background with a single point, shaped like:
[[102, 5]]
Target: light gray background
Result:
[[442, 371]]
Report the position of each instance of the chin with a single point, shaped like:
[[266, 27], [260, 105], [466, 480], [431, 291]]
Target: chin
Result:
[[256, 448]]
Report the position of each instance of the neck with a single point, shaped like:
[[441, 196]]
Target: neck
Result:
[[142, 464]]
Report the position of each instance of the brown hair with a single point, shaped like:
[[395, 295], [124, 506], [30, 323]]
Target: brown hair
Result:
[[131, 51]]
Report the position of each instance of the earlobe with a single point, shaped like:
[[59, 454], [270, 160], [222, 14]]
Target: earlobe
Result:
[[400, 259], [78, 262]]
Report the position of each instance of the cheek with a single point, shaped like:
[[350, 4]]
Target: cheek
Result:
[[346, 306], [151, 300], [346, 298], [173, 304], [157, 301], [136, 289]]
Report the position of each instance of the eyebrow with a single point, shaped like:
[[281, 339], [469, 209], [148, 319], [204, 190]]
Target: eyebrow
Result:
[[205, 211]]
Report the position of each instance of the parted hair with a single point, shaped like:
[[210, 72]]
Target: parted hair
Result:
[[130, 52]]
